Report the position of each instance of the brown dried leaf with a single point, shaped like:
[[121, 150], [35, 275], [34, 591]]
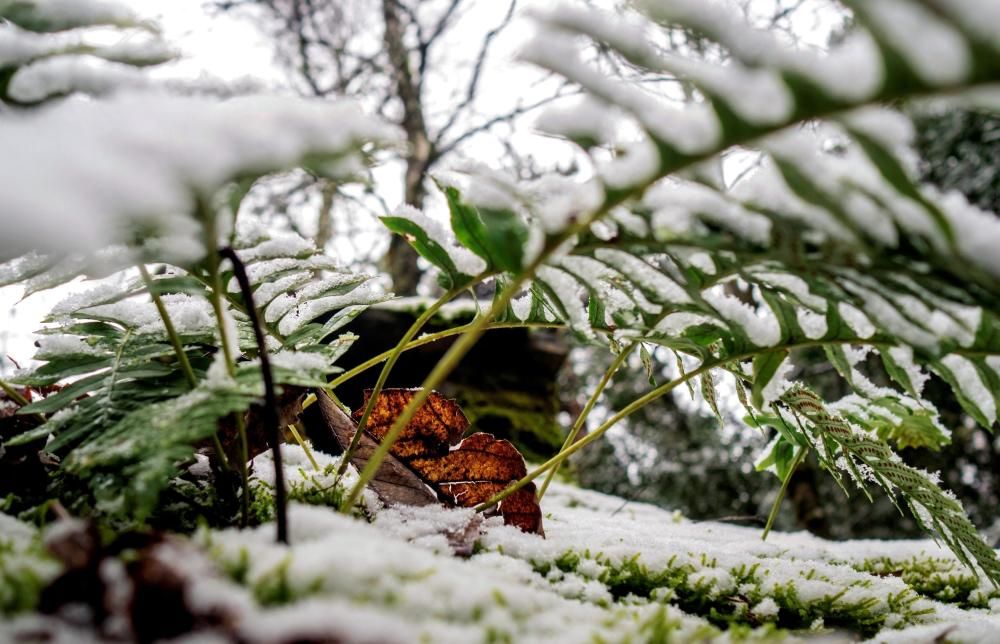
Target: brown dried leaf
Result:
[[480, 457], [520, 509], [438, 424], [466, 474], [331, 430]]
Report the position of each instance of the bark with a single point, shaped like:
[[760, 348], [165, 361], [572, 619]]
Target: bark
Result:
[[401, 260]]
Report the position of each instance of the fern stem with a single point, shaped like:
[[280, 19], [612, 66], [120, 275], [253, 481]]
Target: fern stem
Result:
[[270, 400], [217, 293], [304, 446], [441, 370], [175, 339], [581, 419], [241, 434], [390, 362], [14, 394], [773, 514]]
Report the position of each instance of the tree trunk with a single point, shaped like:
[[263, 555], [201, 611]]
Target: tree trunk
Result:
[[401, 260]]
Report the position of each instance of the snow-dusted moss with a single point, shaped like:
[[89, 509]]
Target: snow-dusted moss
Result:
[[604, 573], [607, 571], [309, 478], [24, 566]]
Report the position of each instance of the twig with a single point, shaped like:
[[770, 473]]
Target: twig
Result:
[[270, 400]]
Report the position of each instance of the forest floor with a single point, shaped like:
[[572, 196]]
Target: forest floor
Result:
[[607, 570]]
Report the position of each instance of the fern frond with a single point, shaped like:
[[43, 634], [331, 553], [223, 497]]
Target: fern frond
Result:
[[869, 460], [831, 243]]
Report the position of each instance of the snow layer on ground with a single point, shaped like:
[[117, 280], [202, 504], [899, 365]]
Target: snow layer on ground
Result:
[[607, 570]]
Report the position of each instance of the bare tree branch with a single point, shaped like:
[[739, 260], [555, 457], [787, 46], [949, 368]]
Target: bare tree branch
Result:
[[305, 68], [473, 87], [500, 118]]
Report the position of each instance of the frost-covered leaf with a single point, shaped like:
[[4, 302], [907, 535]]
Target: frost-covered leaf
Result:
[[765, 370], [198, 146], [866, 459], [495, 234], [428, 238]]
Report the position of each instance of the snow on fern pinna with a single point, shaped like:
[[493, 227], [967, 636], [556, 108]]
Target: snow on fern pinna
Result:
[[830, 243], [179, 149]]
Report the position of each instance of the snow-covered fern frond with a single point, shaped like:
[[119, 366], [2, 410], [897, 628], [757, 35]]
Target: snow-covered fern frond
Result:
[[830, 242], [53, 48], [128, 414], [148, 364]]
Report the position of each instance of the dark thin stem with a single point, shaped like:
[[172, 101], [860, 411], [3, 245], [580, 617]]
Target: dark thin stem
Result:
[[270, 401]]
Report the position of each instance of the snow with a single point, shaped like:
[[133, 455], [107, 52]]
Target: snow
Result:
[[850, 71], [18, 46], [794, 285], [644, 276], [397, 580], [308, 310], [559, 201], [586, 119], [936, 51], [972, 385], [812, 324], [570, 296], [62, 75], [857, 320], [778, 384], [55, 346], [977, 232], [691, 130], [637, 163], [189, 314], [760, 326], [65, 14], [677, 207], [100, 294], [676, 323], [141, 160], [482, 186], [980, 18]]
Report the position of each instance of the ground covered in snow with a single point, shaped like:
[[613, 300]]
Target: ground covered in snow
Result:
[[606, 571]]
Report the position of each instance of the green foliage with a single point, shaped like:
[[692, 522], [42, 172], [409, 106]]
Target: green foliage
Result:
[[703, 587]]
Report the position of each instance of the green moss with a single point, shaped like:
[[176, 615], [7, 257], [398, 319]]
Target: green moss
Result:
[[630, 580], [942, 579], [307, 487], [24, 571]]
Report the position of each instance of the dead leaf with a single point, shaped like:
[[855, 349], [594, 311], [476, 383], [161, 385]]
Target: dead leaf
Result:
[[331, 431], [463, 473], [289, 401], [436, 426]]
